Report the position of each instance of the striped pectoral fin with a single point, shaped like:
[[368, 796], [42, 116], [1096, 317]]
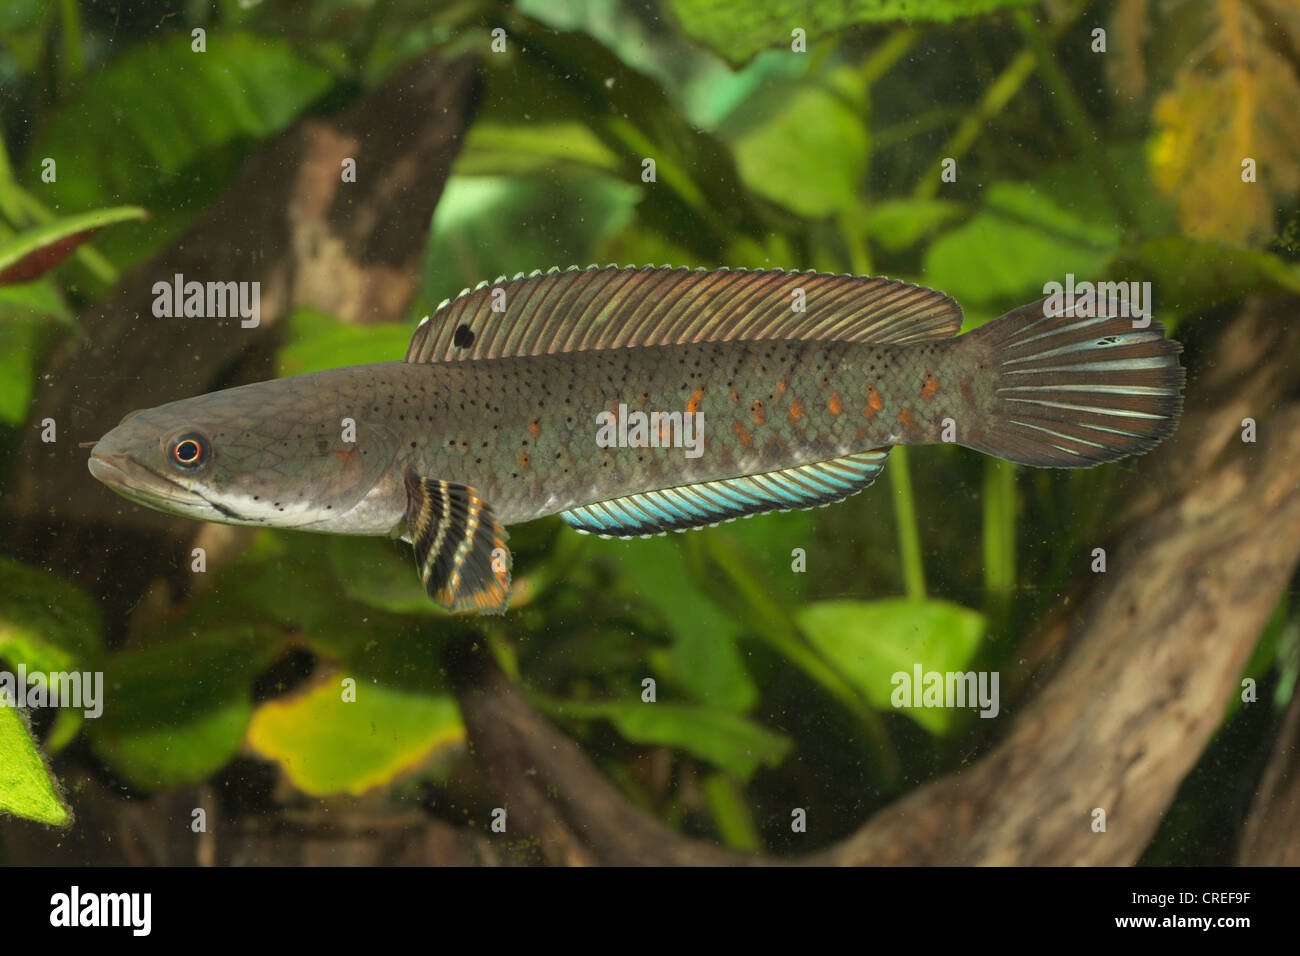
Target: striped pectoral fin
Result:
[[460, 548], [713, 502]]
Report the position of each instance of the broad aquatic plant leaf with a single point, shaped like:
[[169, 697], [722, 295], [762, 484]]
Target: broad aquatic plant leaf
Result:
[[381, 574], [1189, 275], [46, 623], [729, 741], [316, 341], [27, 788], [175, 712], [32, 316], [158, 114], [1233, 102], [326, 744], [801, 146], [737, 29], [558, 147], [1019, 240], [872, 641], [898, 224], [704, 658], [489, 226], [37, 250]]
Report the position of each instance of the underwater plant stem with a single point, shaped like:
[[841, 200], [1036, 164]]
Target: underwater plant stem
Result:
[[884, 56], [731, 813], [909, 538], [72, 63], [774, 625], [994, 100], [1076, 118], [999, 537]]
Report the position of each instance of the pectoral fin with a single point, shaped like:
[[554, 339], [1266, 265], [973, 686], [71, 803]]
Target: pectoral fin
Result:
[[460, 548]]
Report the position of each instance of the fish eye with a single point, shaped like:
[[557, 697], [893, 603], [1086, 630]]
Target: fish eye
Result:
[[189, 452]]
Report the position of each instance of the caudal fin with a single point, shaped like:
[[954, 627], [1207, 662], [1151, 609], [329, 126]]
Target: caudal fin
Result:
[[1070, 392]]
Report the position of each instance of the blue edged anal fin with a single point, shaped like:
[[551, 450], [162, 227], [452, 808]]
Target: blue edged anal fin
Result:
[[460, 547], [713, 502]]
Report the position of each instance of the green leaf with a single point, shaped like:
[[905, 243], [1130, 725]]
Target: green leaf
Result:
[[1188, 275], [285, 583], [871, 641], [175, 713], [327, 745], [898, 224], [514, 148], [728, 741], [316, 341], [801, 147], [27, 788], [173, 754], [23, 14], [35, 251], [696, 199], [489, 226], [731, 813], [382, 574], [704, 659], [1018, 241], [46, 623], [31, 316], [165, 127], [737, 29]]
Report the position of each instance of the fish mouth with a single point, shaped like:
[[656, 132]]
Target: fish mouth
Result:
[[103, 469], [139, 483]]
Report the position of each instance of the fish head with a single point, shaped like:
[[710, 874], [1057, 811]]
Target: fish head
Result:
[[268, 454]]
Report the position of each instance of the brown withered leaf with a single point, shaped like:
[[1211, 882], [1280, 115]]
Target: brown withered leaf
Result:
[[1234, 99]]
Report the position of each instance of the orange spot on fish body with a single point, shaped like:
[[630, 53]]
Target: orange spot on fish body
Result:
[[930, 387], [524, 460], [796, 411], [873, 396], [693, 405], [757, 411], [735, 397], [906, 418], [742, 434], [534, 428], [348, 455], [836, 405], [966, 394], [781, 386]]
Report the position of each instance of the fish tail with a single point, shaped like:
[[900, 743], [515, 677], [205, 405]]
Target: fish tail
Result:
[[1068, 391]]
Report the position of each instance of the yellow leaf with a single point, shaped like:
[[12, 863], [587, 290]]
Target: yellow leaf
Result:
[[1234, 101], [328, 743]]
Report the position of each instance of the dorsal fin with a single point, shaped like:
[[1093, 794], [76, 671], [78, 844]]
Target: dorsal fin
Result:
[[611, 307]]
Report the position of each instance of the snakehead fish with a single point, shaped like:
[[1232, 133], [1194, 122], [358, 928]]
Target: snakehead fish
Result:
[[634, 401]]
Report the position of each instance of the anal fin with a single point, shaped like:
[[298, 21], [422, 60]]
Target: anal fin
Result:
[[713, 502], [460, 548]]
